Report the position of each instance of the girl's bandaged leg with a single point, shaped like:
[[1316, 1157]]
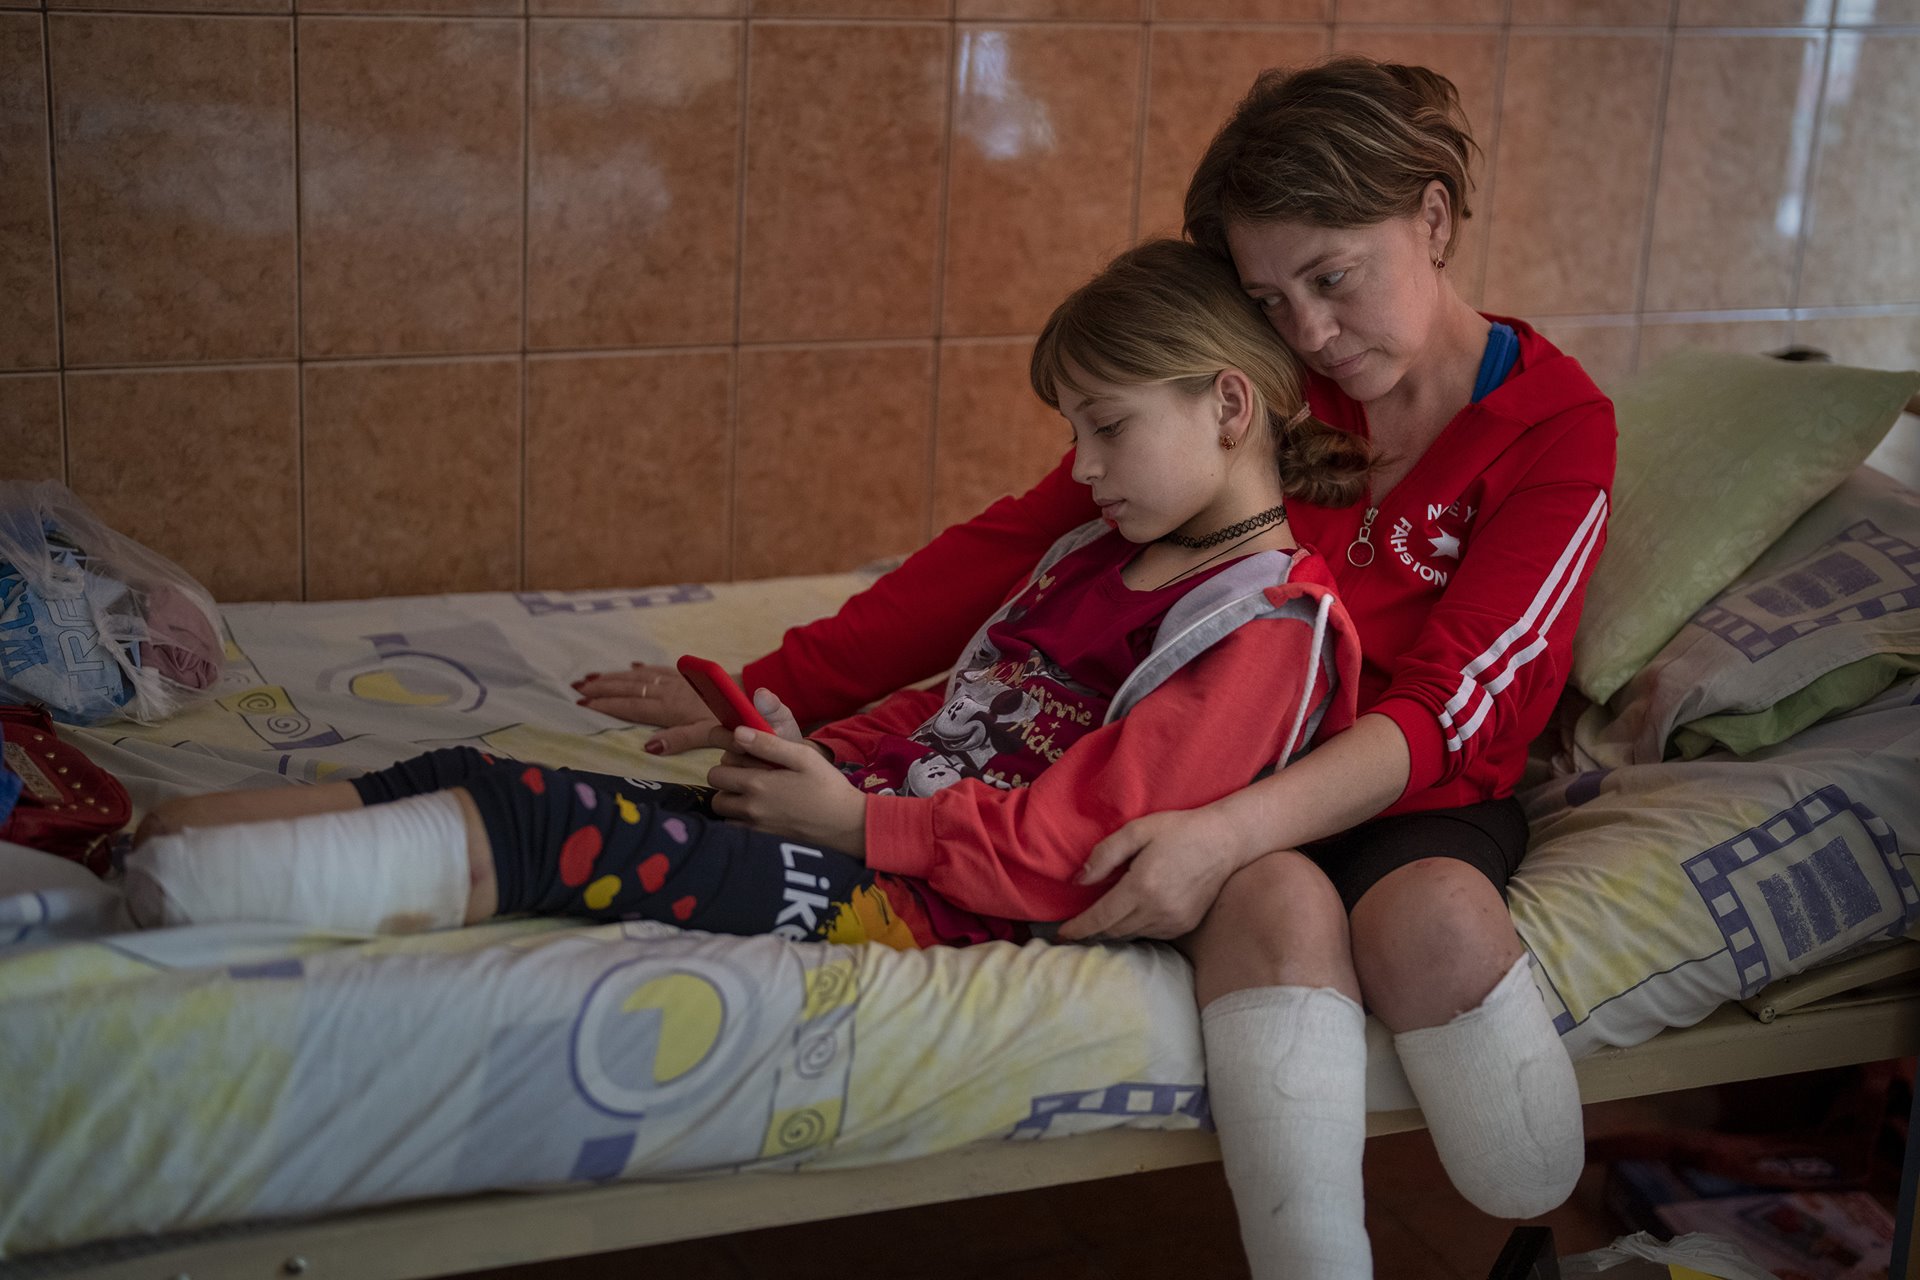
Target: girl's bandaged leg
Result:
[[388, 868], [1500, 1098], [1286, 1078]]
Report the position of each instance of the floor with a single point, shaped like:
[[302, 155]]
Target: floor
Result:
[[1171, 1223]]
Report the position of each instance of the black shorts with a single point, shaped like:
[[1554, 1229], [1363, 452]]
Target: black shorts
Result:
[[1490, 837]]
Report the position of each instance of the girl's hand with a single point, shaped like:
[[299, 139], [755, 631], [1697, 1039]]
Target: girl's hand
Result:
[[768, 704], [649, 694], [801, 795], [1178, 861]]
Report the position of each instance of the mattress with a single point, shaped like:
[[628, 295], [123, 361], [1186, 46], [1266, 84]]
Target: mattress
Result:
[[184, 1078]]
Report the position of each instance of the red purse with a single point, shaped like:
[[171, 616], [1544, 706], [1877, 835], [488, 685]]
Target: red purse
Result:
[[68, 805]]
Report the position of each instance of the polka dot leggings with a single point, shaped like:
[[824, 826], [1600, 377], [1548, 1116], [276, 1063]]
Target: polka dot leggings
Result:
[[604, 848]]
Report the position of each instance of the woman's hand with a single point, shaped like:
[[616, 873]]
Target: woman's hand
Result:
[[801, 794], [649, 694], [1178, 861]]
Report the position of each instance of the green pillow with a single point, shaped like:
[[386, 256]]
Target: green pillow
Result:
[[1841, 689], [1718, 455]]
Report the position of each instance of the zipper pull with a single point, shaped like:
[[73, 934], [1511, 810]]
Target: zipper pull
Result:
[[1363, 541]]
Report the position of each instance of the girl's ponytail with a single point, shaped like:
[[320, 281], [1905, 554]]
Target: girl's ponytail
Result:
[[1322, 464]]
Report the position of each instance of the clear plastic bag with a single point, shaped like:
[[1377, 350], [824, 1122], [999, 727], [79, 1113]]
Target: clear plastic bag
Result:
[[1709, 1255], [94, 626]]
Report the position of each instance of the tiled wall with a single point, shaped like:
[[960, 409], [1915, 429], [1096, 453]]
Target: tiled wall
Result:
[[388, 296]]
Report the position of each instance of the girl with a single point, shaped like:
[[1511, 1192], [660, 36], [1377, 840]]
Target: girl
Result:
[[950, 816], [1377, 866]]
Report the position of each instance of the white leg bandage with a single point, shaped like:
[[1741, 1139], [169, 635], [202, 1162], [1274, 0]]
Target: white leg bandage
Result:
[[387, 868], [1500, 1099], [1287, 1081]]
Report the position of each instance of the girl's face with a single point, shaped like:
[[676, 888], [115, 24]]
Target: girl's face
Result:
[[1151, 454], [1356, 304]]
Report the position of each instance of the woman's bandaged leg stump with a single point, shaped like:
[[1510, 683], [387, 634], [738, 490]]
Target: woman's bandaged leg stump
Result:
[[1287, 1082], [1501, 1101], [386, 868]]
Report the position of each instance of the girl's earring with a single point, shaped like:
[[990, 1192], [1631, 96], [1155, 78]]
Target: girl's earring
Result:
[[1227, 442], [1439, 264]]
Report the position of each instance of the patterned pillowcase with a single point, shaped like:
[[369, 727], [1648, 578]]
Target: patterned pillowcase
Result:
[[1826, 619], [1652, 893]]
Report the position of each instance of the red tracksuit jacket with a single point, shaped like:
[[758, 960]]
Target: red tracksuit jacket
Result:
[[1466, 611]]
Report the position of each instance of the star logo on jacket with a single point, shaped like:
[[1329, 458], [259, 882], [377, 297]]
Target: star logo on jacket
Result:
[[1433, 551]]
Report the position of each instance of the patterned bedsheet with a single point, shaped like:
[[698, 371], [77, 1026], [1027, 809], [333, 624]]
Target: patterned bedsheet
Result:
[[185, 1077], [180, 1078]]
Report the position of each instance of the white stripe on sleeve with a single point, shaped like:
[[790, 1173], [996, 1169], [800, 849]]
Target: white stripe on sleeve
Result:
[[1555, 590]]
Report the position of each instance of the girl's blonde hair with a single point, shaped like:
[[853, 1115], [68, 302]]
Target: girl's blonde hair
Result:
[[1169, 312], [1348, 142]]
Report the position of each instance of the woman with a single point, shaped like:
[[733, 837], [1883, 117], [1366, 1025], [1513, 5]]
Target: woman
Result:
[[1374, 868]]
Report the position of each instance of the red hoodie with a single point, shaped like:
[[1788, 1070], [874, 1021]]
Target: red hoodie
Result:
[[1466, 612], [1015, 854]]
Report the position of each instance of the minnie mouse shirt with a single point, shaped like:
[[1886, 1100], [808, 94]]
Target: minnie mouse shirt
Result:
[[1047, 674], [1080, 705]]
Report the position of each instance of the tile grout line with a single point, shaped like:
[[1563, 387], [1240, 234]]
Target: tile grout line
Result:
[[735, 365], [522, 367], [1710, 315], [1492, 151], [59, 272], [950, 76], [1394, 27], [1140, 115], [1650, 207], [299, 323], [1829, 50]]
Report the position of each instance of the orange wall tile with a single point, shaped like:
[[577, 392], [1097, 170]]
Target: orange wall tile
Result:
[[632, 183], [30, 446], [1198, 74], [845, 151], [201, 464], [485, 294], [412, 185], [832, 464], [173, 164], [1733, 172], [1568, 215], [1040, 189], [992, 435], [29, 330], [412, 477], [1861, 247], [629, 469]]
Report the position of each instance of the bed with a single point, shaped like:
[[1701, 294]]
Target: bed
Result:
[[265, 1101]]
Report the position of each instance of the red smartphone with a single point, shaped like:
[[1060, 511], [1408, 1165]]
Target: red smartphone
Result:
[[717, 689]]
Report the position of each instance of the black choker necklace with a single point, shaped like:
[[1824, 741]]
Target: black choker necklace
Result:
[[1272, 515]]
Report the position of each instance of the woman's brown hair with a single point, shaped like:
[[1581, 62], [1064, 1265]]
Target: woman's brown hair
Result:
[[1348, 142], [1169, 312]]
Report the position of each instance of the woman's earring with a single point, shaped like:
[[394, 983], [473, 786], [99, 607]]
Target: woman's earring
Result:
[[1227, 442], [1439, 264]]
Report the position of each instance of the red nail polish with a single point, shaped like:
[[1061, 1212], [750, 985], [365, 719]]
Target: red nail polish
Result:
[[579, 702], [654, 748]]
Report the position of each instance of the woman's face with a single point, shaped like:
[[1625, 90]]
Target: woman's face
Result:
[[1356, 304]]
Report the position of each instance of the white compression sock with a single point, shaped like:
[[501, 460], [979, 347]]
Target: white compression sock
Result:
[[398, 867], [1500, 1099], [1287, 1081]]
